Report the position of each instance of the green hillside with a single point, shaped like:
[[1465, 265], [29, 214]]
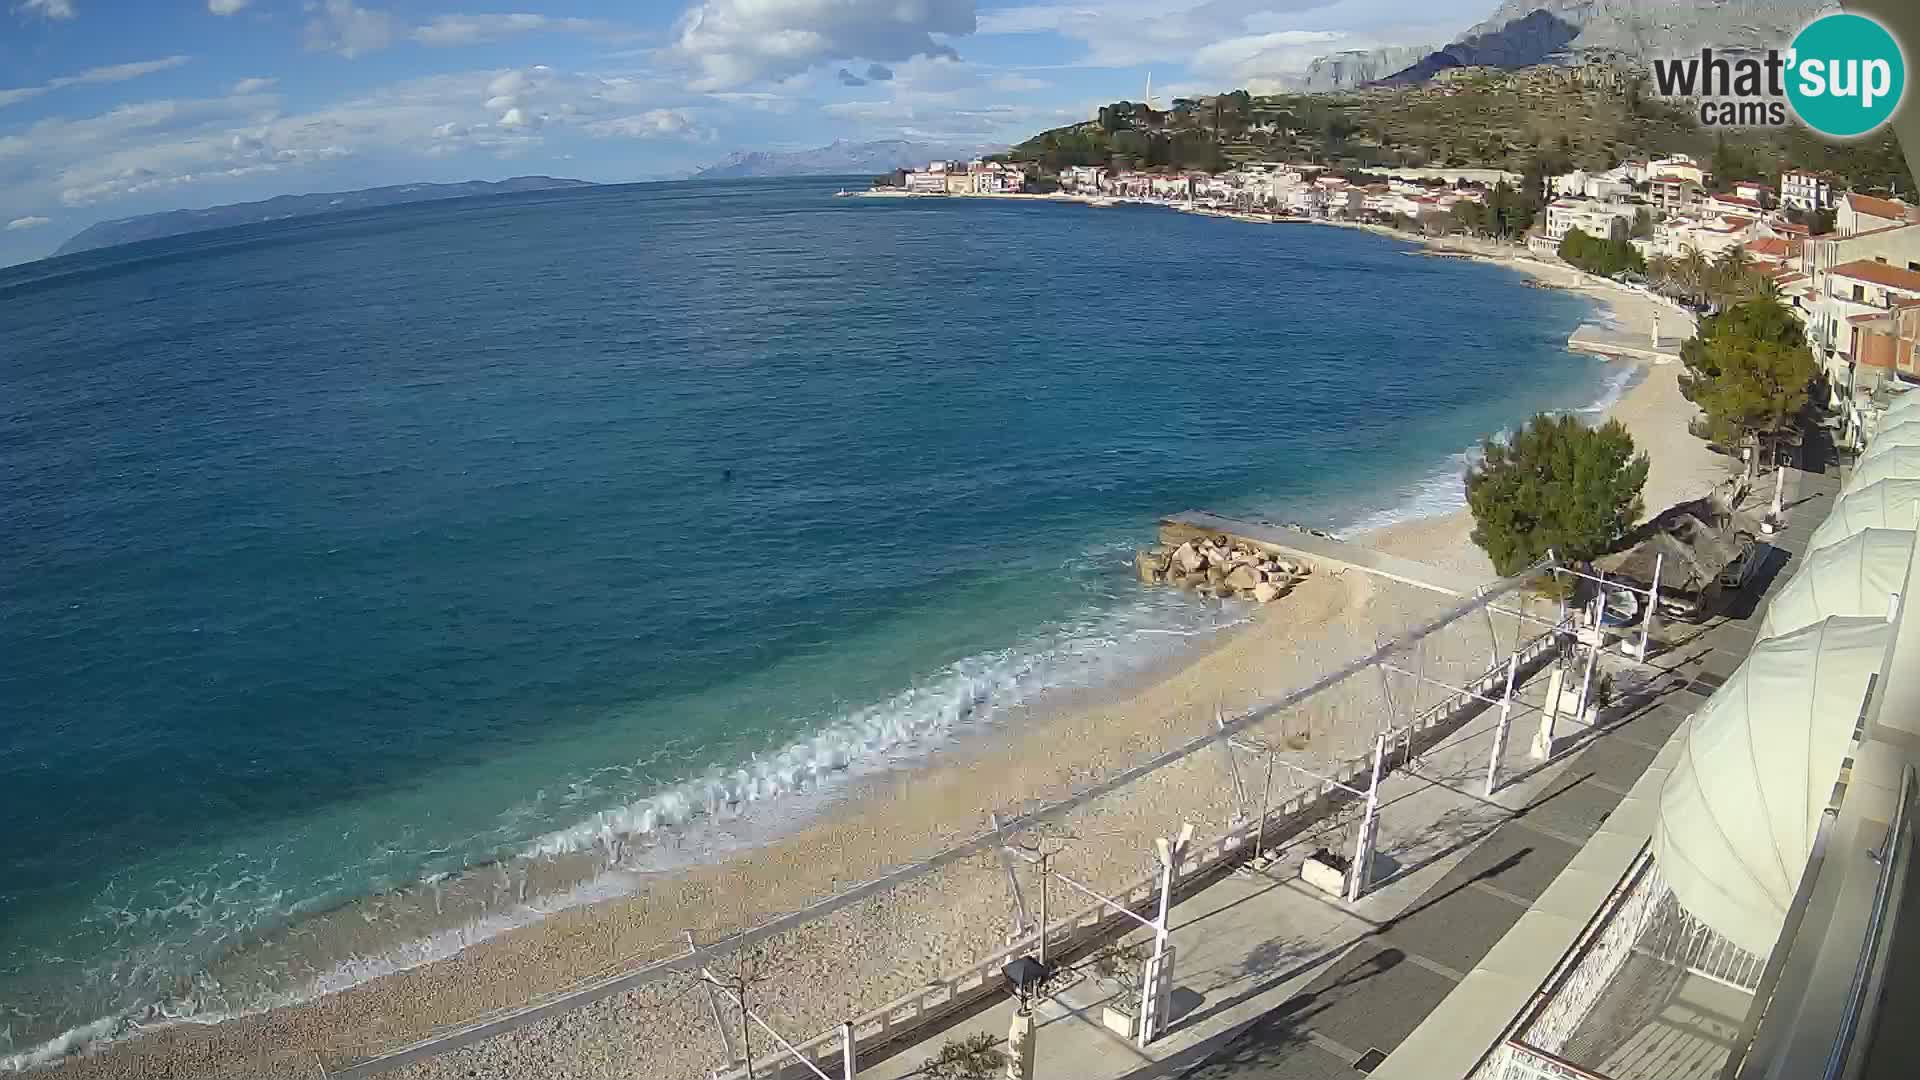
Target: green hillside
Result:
[[1529, 122]]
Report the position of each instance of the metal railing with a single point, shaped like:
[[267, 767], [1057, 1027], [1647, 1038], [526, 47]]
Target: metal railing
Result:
[[354, 1059], [1683, 941], [1094, 923], [1869, 975], [1570, 993]]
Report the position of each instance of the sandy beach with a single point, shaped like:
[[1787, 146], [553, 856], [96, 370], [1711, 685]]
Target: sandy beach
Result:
[[879, 948]]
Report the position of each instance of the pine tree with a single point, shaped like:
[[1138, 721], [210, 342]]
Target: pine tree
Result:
[[1556, 484], [1749, 370]]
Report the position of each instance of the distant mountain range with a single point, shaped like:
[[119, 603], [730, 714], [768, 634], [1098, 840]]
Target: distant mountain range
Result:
[[1522, 33], [840, 158], [177, 222], [1356, 67]]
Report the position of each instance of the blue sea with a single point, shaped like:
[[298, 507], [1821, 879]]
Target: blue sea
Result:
[[346, 553]]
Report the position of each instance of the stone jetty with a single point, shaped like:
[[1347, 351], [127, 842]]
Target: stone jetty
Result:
[[1221, 567]]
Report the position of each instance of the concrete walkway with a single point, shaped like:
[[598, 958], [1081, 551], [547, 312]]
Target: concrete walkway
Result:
[[1276, 980]]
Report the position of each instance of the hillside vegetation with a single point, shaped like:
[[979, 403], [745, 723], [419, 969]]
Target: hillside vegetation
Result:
[[1489, 120]]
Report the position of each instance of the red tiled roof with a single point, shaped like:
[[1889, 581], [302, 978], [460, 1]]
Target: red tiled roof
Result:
[[1737, 200], [1892, 277], [1769, 245], [1878, 207], [1860, 320]]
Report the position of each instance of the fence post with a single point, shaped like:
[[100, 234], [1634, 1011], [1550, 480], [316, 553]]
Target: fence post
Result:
[[1653, 604], [1360, 874], [847, 1066], [1500, 734], [1157, 985]]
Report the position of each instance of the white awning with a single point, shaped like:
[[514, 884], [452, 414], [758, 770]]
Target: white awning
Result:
[[1889, 504], [1853, 577], [1903, 407], [1899, 463], [1899, 434], [1739, 811]]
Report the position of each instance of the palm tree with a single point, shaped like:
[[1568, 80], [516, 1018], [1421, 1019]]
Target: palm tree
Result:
[[1660, 270], [1694, 271], [1729, 275]]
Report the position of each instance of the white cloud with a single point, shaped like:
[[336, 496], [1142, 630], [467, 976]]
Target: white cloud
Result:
[[254, 86], [121, 72], [734, 43], [757, 100], [226, 7], [156, 146], [47, 9], [477, 29], [1256, 57], [939, 99], [1127, 33], [652, 124], [28, 222], [342, 27], [113, 74], [1016, 83]]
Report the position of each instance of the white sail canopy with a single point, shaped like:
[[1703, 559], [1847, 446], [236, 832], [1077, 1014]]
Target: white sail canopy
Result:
[[1854, 577], [1903, 433], [1739, 811], [1899, 463], [1904, 407], [1889, 504]]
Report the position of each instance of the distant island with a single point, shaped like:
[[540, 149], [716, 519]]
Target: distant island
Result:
[[839, 158], [177, 222]]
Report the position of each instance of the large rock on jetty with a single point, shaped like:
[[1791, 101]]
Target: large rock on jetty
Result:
[[1222, 567]]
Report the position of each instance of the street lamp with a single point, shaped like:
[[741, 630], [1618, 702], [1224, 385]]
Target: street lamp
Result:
[[1025, 976]]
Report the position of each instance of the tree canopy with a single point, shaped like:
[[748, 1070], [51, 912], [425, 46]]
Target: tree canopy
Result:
[[1555, 484], [1749, 370], [1604, 257]]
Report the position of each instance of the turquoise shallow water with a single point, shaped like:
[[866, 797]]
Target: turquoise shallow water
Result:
[[344, 552]]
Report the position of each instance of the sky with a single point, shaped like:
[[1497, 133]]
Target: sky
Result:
[[112, 108]]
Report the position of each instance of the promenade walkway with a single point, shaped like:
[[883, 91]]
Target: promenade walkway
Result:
[[1275, 980]]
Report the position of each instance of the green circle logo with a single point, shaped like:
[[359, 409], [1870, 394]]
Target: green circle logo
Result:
[[1845, 75]]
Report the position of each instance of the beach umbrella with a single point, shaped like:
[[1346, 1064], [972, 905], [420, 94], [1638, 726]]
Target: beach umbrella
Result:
[[1899, 463], [1889, 504], [1853, 577], [1904, 433], [1756, 770]]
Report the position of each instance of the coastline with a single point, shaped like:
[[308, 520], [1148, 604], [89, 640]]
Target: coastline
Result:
[[878, 822]]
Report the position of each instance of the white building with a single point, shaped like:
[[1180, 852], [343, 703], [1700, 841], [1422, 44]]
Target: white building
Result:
[[1804, 189], [1679, 165], [1082, 178], [1589, 216], [1865, 213], [1580, 184]]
